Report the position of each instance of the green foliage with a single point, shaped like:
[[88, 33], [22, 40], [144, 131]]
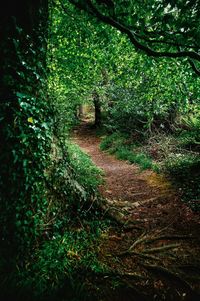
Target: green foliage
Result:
[[112, 142], [158, 28], [59, 266], [46, 188], [87, 174], [141, 159], [137, 93], [78, 52], [119, 145], [48, 203], [152, 97], [73, 184], [60, 262], [189, 138], [183, 164], [26, 131]]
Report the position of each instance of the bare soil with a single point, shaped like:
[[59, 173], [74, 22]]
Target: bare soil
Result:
[[153, 250]]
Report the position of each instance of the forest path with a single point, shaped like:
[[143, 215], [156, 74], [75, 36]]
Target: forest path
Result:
[[155, 228], [137, 196]]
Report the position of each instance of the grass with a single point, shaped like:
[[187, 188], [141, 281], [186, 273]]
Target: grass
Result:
[[174, 155], [87, 173], [59, 262], [58, 268], [113, 142], [123, 149]]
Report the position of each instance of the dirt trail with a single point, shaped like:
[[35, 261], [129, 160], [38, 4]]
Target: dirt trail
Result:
[[143, 196], [157, 232]]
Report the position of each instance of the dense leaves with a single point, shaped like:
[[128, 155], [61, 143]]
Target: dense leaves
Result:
[[159, 28]]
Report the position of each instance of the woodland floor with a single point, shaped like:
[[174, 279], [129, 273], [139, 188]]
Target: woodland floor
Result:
[[153, 251]]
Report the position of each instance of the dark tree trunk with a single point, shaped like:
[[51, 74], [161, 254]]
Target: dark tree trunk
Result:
[[97, 109], [20, 21]]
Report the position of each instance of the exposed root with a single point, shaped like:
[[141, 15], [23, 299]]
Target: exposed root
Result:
[[143, 239], [127, 275], [170, 237], [194, 267], [130, 195], [161, 249], [129, 252], [117, 215]]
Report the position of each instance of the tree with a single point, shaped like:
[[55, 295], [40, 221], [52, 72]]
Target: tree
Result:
[[38, 181], [22, 93], [160, 28]]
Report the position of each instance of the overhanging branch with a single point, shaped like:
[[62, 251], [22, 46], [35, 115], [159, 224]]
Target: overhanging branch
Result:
[[194, 67], [89, 7]]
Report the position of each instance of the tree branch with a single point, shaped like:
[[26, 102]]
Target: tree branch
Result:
[[135, 42], [89, 7], [157, 41], [194, 67]]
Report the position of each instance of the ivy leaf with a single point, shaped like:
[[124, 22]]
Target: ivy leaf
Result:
[[30, 120], [21, 95]]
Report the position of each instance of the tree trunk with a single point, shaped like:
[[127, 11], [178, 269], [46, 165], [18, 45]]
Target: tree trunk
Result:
[[20, 22], [97, 108]]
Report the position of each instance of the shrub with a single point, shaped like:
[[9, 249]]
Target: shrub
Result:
[[184, 170]]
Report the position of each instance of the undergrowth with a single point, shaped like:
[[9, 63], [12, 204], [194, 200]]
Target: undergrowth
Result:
[[124, 149], [87, 174], [184, 171], [175, 155], [67, 249], [59, 262], [50, 221], [183, 164]]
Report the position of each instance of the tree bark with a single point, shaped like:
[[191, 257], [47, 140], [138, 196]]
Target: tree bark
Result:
[[97, 108], [19, 21]]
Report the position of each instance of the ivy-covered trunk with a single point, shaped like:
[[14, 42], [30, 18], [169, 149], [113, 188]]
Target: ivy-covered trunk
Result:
[[25, 123]]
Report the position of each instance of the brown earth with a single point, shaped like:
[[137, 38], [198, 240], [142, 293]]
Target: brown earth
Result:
[[153, 250]]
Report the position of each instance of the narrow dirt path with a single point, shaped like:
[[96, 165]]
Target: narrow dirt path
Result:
[[158, 234], [143, 196]]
